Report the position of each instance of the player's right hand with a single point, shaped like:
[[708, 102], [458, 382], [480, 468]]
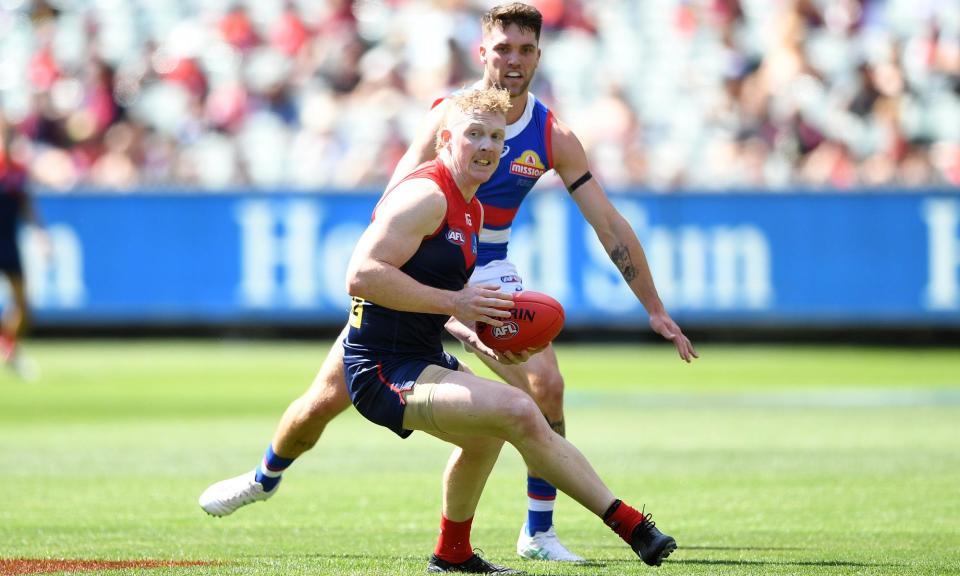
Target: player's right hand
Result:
[[665, 326], [482, 303]]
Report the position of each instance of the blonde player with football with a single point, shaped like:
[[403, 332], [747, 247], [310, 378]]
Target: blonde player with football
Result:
[[408, 276], [535, 142]]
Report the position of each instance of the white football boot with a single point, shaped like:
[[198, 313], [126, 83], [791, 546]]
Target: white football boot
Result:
[[544, 546], [225, 497]]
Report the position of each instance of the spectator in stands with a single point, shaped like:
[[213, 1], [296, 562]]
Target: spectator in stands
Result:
[[721, 95]]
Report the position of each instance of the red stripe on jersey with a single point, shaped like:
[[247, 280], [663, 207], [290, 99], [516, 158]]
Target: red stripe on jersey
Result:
[[495, 216]]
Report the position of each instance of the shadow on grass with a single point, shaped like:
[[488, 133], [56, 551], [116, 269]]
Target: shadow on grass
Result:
[[529, 567], [749, 548], [609, 562], [821, 563]]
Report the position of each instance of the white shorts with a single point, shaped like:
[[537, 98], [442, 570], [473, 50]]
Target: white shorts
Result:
[[501, 273]]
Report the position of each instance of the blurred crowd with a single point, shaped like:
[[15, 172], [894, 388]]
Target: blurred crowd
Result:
[[317, 94]]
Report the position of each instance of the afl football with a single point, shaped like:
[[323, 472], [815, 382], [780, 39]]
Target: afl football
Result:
[[535, 321]]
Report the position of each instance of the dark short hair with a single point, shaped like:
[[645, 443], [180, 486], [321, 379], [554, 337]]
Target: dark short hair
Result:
[[523, 15]]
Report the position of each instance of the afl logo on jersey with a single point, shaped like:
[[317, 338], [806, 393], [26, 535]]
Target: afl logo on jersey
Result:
[[455, 236], [528, 164]]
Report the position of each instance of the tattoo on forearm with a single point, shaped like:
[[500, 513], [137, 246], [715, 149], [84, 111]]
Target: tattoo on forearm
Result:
[[621, 258], [560, 427]]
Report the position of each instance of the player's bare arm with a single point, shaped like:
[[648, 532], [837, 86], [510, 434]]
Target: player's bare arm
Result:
[[407, 215], [615, 234]]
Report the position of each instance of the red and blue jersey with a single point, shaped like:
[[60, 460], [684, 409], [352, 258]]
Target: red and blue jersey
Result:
[[445, 260], [527, 155]]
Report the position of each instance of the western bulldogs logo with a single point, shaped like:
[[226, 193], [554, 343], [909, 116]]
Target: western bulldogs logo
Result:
[[457, 237], [508, 330]]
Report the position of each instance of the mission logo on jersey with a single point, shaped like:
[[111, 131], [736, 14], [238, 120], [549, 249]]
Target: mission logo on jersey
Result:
[[528, 164]]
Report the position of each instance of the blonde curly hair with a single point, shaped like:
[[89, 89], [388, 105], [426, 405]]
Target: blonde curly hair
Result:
[[492, 99]]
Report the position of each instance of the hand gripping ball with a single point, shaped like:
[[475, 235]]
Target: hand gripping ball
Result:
[[535, 321]]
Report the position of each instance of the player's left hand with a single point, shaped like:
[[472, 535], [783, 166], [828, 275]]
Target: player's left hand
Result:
[[467, 335], [508, 357], [664, 325]]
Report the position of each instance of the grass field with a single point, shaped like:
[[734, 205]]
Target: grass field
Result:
[[759, 460]]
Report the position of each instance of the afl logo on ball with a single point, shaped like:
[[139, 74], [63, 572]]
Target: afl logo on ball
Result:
[[508, 330]]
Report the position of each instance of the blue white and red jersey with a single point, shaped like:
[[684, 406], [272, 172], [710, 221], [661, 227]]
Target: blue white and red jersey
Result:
[[445, 260], [527, 155]]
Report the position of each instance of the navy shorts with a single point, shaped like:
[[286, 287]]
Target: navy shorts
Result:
[[377, 384], [10, 257]]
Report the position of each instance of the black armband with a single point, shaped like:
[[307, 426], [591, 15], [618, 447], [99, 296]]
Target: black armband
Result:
[[580, 182]]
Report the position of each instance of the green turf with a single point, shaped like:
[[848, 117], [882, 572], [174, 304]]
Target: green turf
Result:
[[759, 460]]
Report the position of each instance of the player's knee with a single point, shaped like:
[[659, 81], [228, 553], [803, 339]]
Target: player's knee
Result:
[[546, 386], [521, 416]]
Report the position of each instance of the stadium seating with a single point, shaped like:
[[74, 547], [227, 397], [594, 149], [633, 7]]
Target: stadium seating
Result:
[[668, 94]]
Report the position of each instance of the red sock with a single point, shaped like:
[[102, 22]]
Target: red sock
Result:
[[454, 542], [622, 519], [7, 347]]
